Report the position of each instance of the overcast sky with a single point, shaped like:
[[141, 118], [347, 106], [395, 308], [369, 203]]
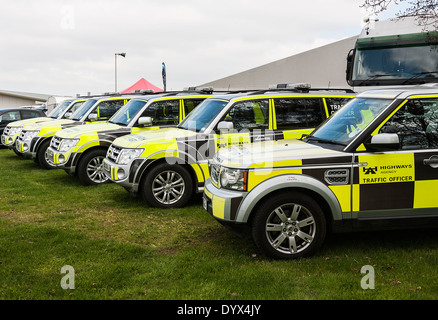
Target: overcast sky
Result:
[[66, 47]]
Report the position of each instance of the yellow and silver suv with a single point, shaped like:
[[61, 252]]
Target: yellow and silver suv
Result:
[[81, 150], [62, 111], [34, 140], [167, 166], [374, 163]]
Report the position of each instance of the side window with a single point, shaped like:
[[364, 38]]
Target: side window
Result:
[[190, 104], [249, 115], [106, 109], [296, 113], [28, 114], [334, 104], [10, 116], [416, 124], [163, 112]]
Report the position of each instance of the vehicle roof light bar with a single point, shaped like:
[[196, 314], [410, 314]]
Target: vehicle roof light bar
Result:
[[199, 89]]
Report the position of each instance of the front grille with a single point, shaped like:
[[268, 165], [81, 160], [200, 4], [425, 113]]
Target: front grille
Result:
[[55, 143], [338, 176], [214, 173], [21, 136], [113, 153]]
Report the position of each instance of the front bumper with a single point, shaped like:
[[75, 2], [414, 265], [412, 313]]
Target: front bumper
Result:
[[27, 147], [9, 141], [222, 204], [61, 160], [119, 174]]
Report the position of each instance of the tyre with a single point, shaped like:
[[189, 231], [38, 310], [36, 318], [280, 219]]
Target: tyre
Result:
[[90, 168], [42, 157], [289, 226], [167, 186]]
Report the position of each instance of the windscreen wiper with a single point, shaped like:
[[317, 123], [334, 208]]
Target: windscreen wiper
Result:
[[313, 138], [375, 76], [418, 74]]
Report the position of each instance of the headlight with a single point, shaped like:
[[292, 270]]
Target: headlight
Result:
[[233, 179], [29, 135], [127, 155], [67, 144], [14, 130]]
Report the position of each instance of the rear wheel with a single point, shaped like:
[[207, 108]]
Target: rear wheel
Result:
[[289, 226], [90, 168], [42, 155], [167, 186]]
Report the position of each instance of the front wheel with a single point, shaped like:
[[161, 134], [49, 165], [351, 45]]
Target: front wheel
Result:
[[167, 186], [90, 168], [289, 226], [43, 157]]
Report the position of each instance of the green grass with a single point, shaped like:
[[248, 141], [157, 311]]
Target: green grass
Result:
[[122, 249]]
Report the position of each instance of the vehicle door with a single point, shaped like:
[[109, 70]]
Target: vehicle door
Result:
[[401, 182]]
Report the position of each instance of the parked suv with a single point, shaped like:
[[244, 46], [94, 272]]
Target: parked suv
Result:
[[34, 140], [15, 114], [81, 150], [62, 111], [373, 164], [168, 166]]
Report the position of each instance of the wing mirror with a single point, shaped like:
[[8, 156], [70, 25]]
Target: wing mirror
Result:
[[92, 117], [384, 142], [145, 121], [226, 125]]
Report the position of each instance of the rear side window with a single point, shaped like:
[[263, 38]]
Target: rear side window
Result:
[[190, 104], [334, 104], [296, 113], [28, 114]]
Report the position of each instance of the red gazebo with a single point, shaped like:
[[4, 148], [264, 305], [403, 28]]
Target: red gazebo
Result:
[[142, 84]]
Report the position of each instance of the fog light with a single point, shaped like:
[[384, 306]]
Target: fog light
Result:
[[61, 159], [25, 146], [120, 174]]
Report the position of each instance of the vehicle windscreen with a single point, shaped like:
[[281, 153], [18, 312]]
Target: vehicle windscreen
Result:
[[79, 114], [55, 113], [127, 112], [408, 63], [203, 115], [349, 121]]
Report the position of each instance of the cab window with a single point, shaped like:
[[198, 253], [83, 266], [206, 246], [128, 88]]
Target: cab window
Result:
[[295, 113], [163, 112], [10, 116], [190, 104], [416, 124], [249, 115]]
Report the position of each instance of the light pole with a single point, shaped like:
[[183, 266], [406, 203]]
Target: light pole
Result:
[[123, 54]]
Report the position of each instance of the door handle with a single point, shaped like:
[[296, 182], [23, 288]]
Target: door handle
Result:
[[432, 161]]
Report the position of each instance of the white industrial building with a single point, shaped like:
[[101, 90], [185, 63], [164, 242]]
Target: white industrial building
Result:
[[323, 67], [14, 99]]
